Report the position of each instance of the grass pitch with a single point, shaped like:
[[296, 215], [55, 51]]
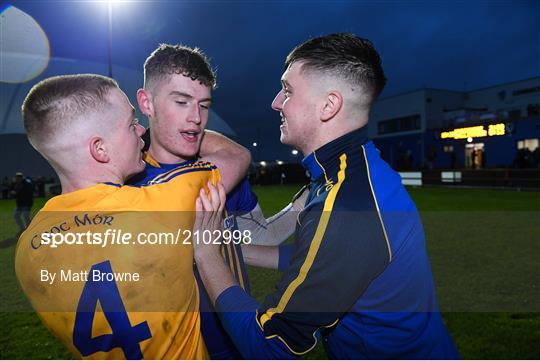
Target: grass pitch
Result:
[[483, 246]]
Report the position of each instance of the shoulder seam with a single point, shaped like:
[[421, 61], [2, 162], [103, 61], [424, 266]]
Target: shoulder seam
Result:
[[377, 205]]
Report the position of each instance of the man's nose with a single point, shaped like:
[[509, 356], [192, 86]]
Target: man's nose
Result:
[[195, 114], [277, 103]]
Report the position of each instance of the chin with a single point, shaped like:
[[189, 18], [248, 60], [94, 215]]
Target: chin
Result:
[[187, 155], [284, 140], [188, 152]]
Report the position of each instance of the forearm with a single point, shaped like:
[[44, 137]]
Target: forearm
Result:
[[232, 159], [261, 256], [236, 309], [238, 313], [214, 273], [268, 231]]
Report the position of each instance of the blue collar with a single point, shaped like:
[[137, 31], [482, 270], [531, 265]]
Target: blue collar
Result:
[[312, 166], [151, 162], [112, 184], [327, 156]]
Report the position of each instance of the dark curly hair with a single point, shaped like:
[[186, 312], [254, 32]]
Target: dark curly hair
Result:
[[178, 59]]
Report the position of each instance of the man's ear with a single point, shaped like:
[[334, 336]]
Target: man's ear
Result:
[[98, 150], [144, 99], [332, 105]]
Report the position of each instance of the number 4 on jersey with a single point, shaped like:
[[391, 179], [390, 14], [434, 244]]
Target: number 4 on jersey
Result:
[[123, 335]]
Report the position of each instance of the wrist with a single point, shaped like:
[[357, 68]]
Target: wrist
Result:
[[205, 252]]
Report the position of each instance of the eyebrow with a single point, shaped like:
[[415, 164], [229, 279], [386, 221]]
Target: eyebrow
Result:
[[188, 96]]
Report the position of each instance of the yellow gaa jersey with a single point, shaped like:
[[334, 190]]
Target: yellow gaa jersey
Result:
[[109, 268]]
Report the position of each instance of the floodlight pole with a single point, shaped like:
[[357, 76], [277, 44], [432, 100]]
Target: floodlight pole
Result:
[[109, 28]]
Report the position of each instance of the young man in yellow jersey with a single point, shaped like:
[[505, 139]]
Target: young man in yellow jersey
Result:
[[177, 95], [105, 295]]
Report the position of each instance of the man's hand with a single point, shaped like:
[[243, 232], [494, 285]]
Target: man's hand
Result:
[[214, 273], [209, 217]]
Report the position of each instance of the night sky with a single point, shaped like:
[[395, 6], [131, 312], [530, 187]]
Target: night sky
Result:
[[458, 45]]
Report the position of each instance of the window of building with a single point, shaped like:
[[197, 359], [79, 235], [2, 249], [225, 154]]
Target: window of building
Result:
[[530, 144], [448, 148], [401, 124]]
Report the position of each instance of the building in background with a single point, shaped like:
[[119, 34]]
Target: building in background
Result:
[[494, 127]]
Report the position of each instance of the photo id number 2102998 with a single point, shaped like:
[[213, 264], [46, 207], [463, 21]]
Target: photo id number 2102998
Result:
[[226, 236]]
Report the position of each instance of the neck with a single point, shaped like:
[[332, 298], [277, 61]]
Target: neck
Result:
[[328, 135], [161, 155], [72, 183]]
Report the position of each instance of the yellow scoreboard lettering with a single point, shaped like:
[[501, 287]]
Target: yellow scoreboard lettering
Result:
[[475, 132], [496, 129]]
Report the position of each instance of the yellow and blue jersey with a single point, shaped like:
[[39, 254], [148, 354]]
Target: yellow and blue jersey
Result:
[[240, 200], [154, 315], [357, 277]]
